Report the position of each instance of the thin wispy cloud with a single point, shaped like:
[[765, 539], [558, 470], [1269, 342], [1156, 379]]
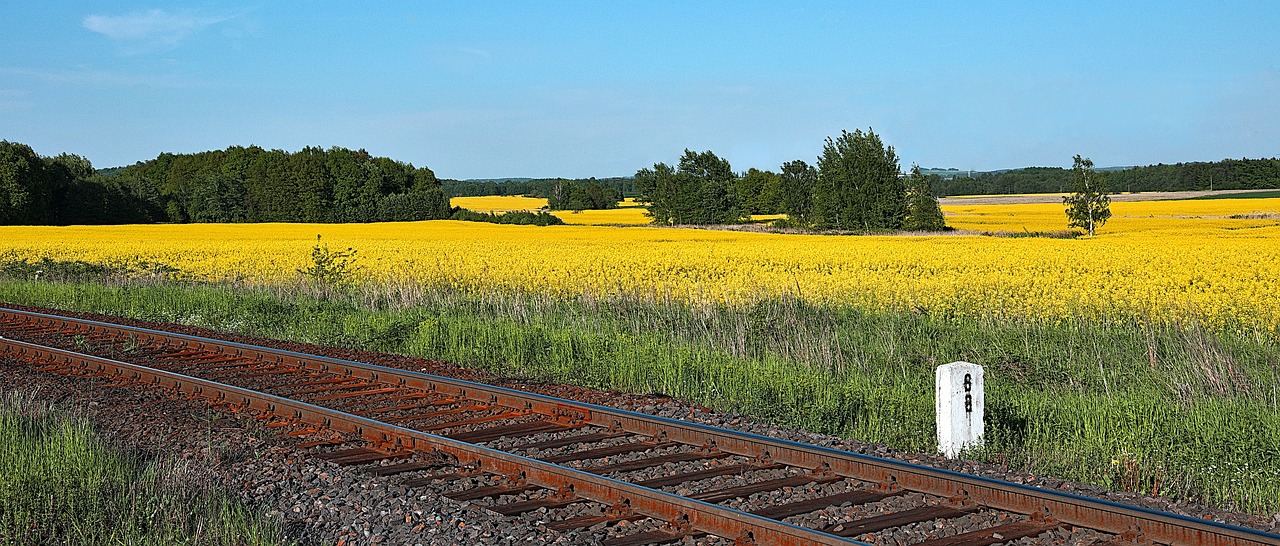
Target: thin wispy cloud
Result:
[[153, 29], [102, 78]]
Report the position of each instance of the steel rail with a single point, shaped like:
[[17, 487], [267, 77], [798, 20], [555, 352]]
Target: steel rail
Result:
[[714, 519], [1102, 515]]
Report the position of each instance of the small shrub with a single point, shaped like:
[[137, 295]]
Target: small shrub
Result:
[[331, 268], [518, 217]]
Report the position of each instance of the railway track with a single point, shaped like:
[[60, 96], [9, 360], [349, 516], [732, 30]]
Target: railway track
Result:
[[515, 452]]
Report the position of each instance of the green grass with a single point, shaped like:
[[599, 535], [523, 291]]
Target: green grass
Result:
[[60, 483], [1172, 409]]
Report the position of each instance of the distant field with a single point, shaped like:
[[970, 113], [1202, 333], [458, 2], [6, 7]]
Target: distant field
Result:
[[632, 215], [1028, 198], [1189, 217], [1217, 260], [628, 212], [1256, 194], [1015, 213], [498, 203]]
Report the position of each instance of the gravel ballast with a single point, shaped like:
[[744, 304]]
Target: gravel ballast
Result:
[[323, 503]]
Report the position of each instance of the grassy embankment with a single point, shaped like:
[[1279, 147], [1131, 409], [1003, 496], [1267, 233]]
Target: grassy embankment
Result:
[[60, 483], [1171, 409]]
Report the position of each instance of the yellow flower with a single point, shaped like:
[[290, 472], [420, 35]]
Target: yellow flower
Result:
[[1217, 261]]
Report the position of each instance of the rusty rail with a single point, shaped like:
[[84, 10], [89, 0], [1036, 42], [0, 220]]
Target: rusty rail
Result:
[[1133, 524]]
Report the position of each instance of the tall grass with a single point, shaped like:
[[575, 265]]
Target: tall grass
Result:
[[1159, 407], [60, 483]]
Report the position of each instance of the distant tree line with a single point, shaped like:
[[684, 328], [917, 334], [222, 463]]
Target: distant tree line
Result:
[[63, 189], [251, 184], [238, 184], [1228, 174], [537, 187], [857, 184]]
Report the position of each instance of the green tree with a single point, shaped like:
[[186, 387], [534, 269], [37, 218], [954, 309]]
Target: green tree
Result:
[[859, 184], [1089, 206], [658, 188], [923, 212], [759, 192], [413, 206], [796, 194], [27, 185], [218, 198], [698, 191], [581, 195], [313, 185], [77, 167], [352, 202]]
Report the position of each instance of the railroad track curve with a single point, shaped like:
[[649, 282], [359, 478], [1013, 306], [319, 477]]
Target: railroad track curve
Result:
[[520, 452]]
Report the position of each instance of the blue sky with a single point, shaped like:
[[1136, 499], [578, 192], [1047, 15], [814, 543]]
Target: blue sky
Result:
[[477, 90]]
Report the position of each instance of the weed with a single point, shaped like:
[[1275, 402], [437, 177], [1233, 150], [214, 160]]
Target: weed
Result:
[[60, 483], [331, 269], [1065, 397]]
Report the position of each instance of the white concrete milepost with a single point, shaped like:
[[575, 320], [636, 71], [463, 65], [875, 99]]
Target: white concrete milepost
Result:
[[959, 404]]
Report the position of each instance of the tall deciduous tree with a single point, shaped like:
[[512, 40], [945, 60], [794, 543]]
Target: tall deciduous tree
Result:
[[581, 195], [923, 212], [1089, 206], [698, 191], [658, 191], [798, 181], [28, 185], [859, 184], [759, 192], [218, 198]]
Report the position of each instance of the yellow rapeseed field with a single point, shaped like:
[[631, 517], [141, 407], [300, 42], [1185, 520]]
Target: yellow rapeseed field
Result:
[[1192, 216], [1154, 259], [498, 203], [628, 212]]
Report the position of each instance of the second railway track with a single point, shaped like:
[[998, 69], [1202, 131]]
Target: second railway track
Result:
[[518, 452]]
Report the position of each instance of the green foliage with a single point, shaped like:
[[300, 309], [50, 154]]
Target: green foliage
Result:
[[60, 483], [100, 200], [1089, 206], [582, 195], [26, 186], [410, 207], [782, 224], [923, 212], [798, 182], [219, 198], [760, 192], [234, 185], [536, 187], [1028, 180], [1228, 174], [516, 217], [699, 191], [331, 268], [74, 271], [859, 185], [80, 271], [64, 190]]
